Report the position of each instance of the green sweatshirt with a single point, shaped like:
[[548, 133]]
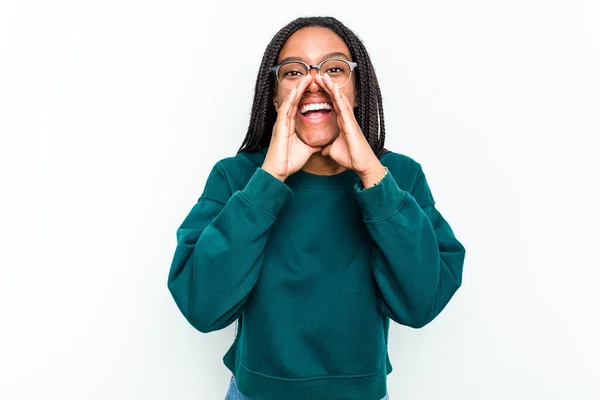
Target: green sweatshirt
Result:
[[314, 268]]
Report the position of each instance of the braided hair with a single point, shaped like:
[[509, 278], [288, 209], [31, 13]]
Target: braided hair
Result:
[[368, 113]]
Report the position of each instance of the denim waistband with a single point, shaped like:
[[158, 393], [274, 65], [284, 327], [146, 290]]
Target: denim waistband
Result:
[[234, 394]]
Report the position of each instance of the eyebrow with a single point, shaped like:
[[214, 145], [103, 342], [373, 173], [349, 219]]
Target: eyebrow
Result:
[[326, 56]]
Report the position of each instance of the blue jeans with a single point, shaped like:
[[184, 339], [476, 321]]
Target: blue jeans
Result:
[[234, 394]]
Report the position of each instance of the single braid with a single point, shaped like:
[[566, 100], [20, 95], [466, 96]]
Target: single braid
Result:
[[369, 113]]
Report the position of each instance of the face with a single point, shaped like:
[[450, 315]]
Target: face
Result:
[[312, 45]]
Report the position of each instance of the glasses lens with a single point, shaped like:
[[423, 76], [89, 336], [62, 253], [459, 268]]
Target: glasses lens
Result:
[[339, 71], [290, 74]]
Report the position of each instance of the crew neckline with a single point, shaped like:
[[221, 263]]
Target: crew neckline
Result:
[[345, 178], [302, 178]]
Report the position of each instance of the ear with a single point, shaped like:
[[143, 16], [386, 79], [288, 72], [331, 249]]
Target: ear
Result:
[[356, 100], [275, 102]]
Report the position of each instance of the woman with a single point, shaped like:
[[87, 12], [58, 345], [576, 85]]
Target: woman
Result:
[[313, 236]]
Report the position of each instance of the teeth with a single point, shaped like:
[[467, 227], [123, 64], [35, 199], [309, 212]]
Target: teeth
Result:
[[315, 106]]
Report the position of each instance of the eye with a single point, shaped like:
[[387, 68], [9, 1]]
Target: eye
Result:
[[293, 73], [334, 67], [292, 70]]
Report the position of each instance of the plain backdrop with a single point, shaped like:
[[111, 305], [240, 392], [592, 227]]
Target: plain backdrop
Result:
[[112, 114]]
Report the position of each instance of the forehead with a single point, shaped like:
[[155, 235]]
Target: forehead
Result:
[[311, 44]]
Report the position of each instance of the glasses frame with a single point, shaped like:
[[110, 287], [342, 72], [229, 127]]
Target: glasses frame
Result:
[[351, 65]]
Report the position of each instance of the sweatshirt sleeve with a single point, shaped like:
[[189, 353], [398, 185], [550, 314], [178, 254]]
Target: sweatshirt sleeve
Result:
[[417, 261], [220, 247]]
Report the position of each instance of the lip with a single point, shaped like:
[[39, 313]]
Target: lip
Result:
[[314, 101], [314, 121]]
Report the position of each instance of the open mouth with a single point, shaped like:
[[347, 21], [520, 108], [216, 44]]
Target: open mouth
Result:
[[315, 113]]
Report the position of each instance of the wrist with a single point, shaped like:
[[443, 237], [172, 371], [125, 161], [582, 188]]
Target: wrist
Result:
[[373, 176], [270, 170]]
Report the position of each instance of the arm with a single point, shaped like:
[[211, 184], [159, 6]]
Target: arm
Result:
[[220, 247], [417, 260]]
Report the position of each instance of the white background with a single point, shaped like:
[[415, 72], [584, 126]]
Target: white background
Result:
[[112, 114]]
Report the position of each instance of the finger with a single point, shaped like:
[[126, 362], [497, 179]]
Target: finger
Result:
[[291, 115], [299, 92], [300, 89], [330, 89], [338, 95], [288, 101], [321, 82], [292, 112], [294, 93], [292, 130], [282, 122], [344, 99]]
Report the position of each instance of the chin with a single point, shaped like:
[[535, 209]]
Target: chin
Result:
[[318, 138]]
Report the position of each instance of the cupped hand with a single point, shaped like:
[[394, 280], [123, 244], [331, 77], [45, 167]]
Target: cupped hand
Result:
[[351, 148], [287, 153]]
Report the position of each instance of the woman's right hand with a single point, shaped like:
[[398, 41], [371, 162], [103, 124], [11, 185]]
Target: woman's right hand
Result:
[[287, 153]]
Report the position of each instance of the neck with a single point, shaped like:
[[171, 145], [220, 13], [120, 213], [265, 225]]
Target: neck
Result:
[[319, 164]]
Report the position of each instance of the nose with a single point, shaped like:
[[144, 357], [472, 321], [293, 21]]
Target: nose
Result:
[[313, 86]]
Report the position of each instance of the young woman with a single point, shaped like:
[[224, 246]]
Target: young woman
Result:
[[313, 236]]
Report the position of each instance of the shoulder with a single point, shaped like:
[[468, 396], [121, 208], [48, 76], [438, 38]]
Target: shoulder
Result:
[[243, 158], [246, 161], [235, 171], [404, 168], [408, 174]]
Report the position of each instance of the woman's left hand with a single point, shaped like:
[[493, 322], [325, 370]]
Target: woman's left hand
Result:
[[350, 149]]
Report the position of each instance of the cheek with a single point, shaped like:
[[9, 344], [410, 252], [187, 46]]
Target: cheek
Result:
[[350, 94], [281, 97]]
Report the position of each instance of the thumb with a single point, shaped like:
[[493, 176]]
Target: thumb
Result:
[[316, 149], [326, 150]]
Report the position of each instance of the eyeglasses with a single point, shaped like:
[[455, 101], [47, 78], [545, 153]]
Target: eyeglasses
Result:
[[289, 73]]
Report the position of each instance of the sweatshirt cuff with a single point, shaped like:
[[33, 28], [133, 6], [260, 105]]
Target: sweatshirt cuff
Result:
[[266, 192], [382, 200]]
